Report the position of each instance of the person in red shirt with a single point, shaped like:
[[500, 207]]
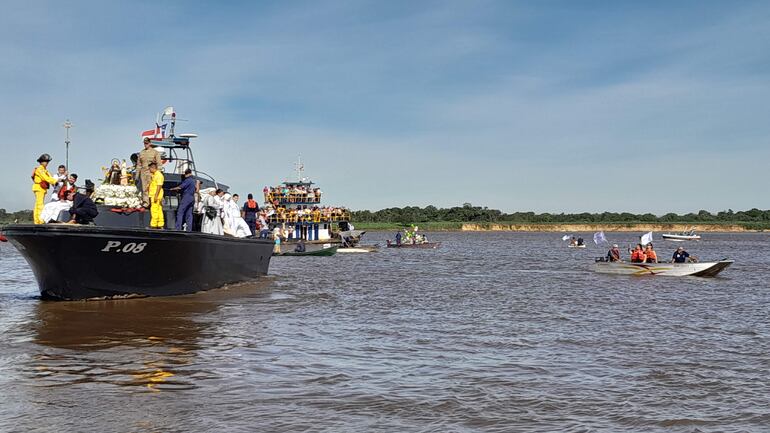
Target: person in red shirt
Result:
[[67, 187], [638, 256]]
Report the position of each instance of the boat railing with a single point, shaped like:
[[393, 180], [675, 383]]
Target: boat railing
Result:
[[293, 198], [313, 217], [207, 176]]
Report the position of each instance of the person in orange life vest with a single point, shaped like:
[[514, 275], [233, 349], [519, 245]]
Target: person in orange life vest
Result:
[[41, 181], [650, 256], [249, 213], [638, 256]]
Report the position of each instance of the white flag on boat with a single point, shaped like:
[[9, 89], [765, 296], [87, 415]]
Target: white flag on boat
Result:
[[646, 238], [599, 238], [565, 237]]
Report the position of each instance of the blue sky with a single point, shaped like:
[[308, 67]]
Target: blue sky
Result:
[[545, 106]]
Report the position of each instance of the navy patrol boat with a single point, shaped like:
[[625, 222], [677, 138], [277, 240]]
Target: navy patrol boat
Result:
[[118, 256]]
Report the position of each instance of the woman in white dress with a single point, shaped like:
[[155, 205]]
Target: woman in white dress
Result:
[[235, 225], [212, 213]]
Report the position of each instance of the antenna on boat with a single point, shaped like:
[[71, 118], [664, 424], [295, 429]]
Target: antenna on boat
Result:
[[299, 167], [67, 125]]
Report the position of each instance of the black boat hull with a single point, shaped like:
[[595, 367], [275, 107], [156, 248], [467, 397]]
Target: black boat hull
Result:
[[84, 262]]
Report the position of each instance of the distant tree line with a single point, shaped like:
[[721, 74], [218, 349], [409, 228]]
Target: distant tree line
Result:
[[470, 213]]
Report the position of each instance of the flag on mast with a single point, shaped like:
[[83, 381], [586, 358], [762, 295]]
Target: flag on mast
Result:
[[159, 133]]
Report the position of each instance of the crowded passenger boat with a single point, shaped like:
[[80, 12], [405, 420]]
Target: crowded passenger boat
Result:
[[293, 211]]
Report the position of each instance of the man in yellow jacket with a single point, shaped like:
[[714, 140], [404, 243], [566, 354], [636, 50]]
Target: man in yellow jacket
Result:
[[156, 197], [41, 181]]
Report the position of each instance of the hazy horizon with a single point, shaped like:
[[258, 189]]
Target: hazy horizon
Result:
[[519, 106]]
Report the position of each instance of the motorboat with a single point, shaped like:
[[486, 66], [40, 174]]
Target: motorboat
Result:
[[74, 262], [294, 208], [683, 236], [320, 252], [699, 269], [117, 256], [423, 245], [358, 249]]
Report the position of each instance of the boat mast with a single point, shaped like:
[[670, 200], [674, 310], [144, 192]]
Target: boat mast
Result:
[[67, 125], [299, 168]]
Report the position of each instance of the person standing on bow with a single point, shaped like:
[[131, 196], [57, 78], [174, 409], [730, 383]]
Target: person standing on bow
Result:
[[61, 183], [212, 212], [41, 181], [156, 197], [188, 191], [249, 213], [147, 156]]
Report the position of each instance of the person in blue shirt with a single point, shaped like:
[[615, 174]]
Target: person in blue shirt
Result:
[[680, 256], [398, 238], [188, 189]]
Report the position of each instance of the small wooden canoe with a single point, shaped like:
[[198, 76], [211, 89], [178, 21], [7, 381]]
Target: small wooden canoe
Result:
[[320, 252], [358, 249], [424, 245]]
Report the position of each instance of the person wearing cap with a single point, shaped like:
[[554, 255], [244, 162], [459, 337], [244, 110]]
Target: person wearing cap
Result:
[[156, 197], [613, 255], [680, 256], [147, 156], [41, 181]]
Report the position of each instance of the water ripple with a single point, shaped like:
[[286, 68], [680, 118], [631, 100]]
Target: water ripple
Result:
[[491, 332]]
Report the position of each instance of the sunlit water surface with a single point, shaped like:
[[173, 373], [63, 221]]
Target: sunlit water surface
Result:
[[491, 332]]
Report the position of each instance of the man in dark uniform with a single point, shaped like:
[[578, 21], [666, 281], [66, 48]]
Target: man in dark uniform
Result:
[[188, 189], [83, 210]]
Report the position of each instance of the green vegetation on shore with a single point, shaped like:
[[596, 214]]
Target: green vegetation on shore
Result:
[[22, 216], [433, 218]]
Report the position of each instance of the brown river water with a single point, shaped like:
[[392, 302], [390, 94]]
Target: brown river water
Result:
[[504, 332]]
